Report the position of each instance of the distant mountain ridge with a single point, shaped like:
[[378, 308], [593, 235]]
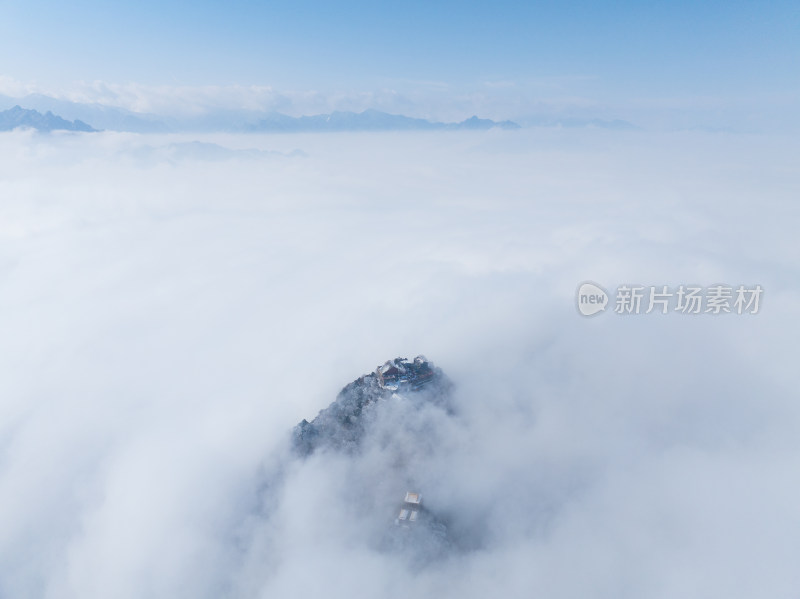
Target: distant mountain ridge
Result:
[[111, 118], [368, 120], [20, 117], [241, 121], [99, 116]]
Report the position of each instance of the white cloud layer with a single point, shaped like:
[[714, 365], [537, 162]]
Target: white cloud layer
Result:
[[568, 100], [422, 99], [416, 99], [168, 318]]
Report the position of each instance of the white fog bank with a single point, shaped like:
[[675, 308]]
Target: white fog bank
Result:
[[170, 310]]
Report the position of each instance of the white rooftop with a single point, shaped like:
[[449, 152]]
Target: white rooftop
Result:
[[413, 497]]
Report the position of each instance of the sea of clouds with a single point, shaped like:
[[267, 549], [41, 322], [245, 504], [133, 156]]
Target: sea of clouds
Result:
[[170, 307]]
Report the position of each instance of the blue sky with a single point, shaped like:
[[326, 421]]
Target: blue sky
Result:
[[604, 51]]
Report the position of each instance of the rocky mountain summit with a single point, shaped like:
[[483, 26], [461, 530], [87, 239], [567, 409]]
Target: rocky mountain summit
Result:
[[342, 425]]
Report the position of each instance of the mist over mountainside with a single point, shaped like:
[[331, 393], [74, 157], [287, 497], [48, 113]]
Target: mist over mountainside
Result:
[[100, 116], [19, 117], [387, 427]]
